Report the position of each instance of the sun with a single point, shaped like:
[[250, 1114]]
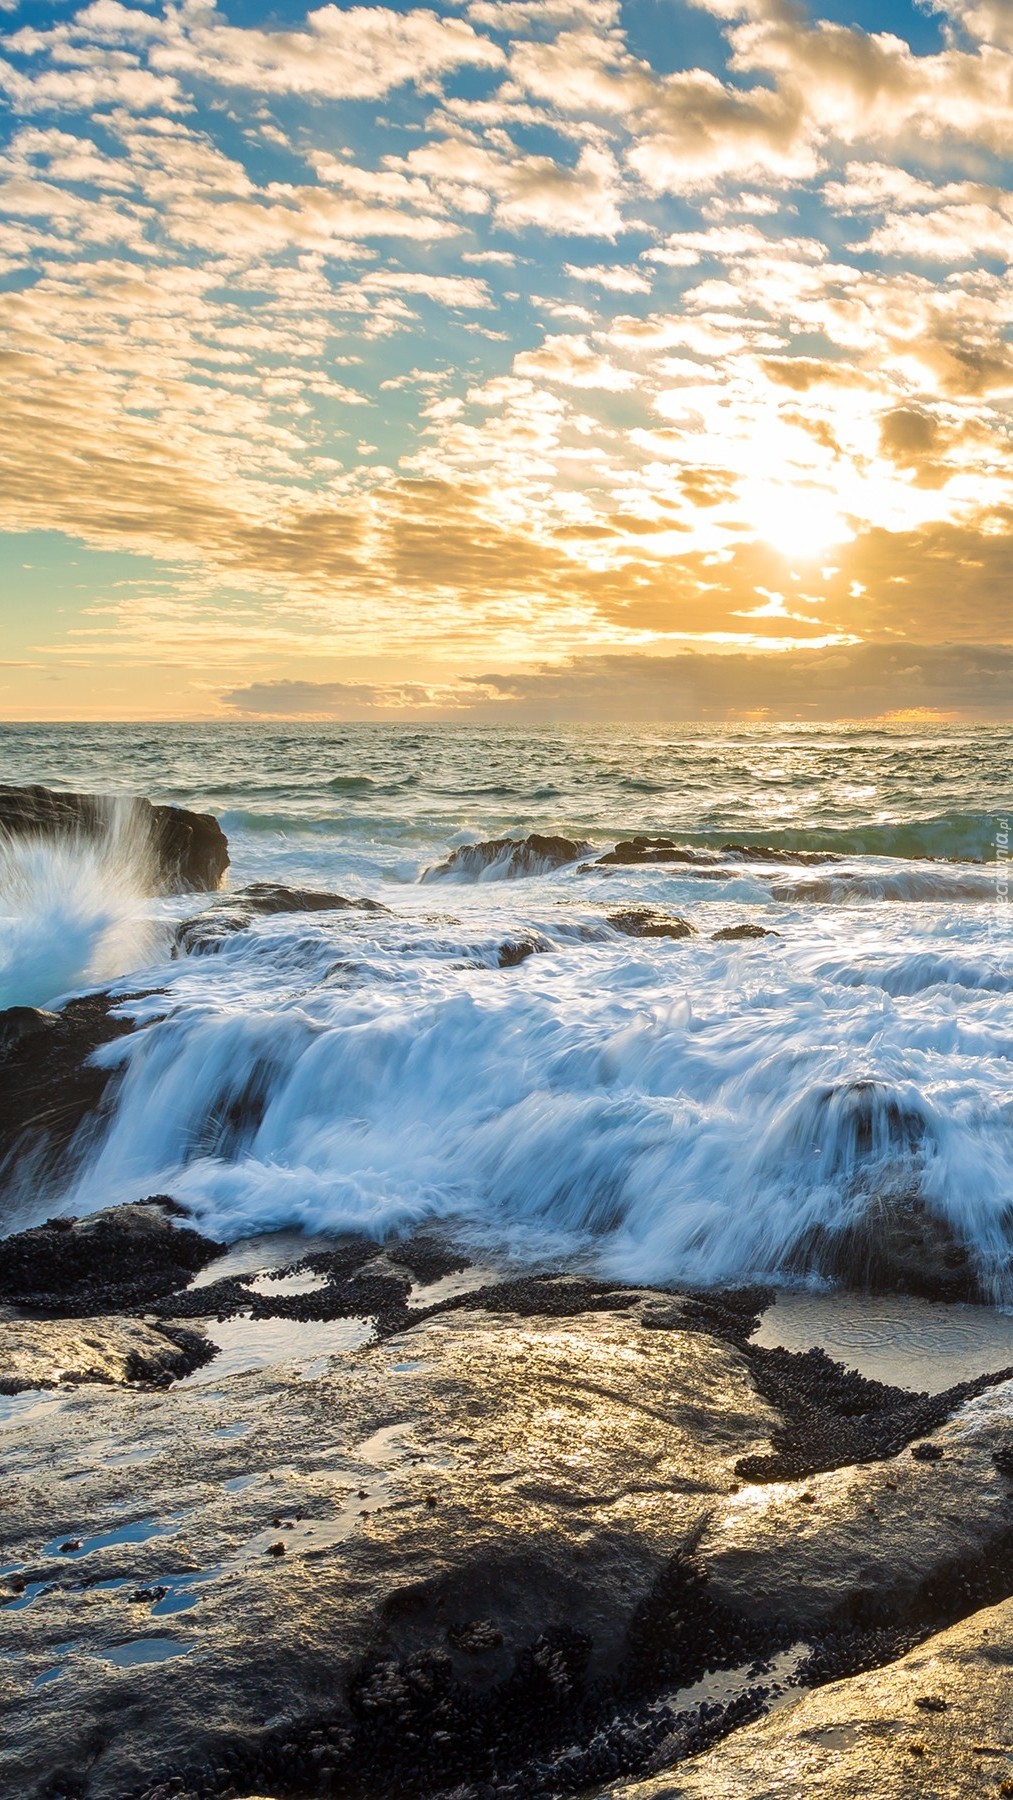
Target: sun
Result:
[[800, 521]]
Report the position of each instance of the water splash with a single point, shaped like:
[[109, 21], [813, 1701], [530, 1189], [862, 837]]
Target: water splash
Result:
[[73, 908]]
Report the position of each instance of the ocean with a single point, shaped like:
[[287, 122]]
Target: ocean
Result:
[[669, 1110]]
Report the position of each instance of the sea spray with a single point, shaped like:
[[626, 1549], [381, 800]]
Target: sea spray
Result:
[[73, 909]]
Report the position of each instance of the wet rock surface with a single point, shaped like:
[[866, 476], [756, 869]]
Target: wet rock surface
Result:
[[936, 1724], [47, 1353], [536, 854], [474, 1517], [530, 1539], [189, 851]]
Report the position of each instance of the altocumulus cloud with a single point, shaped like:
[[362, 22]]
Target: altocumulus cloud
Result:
[[544, 336]]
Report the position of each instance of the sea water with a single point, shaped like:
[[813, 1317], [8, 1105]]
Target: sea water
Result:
[[683, 1110]]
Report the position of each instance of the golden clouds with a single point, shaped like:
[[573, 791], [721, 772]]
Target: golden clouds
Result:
[[473, 380]]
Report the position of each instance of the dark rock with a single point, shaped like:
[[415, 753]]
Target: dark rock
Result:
[[272, 897], [649, 922], [511, 857], [733, 934], [188, 851], [517, 950], [886, 1237], [631, 851], [109, 1260], [898, 1244], [51, 1093], [17, 1023], [806, 859], [235, 911]]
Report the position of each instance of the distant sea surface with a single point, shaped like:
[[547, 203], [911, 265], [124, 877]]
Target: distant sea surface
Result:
[[685, 1110]]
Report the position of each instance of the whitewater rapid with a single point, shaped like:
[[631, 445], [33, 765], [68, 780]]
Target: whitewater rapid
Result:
[[682, 1110]]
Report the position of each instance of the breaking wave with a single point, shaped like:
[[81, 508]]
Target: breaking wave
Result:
[[638, 1101], [73, 910]]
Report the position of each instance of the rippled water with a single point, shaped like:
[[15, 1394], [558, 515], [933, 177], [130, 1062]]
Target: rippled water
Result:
[[674, 1109], [896, 1338]]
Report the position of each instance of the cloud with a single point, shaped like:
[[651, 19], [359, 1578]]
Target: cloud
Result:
[[288, 699], [615, 278], [580, 199], [859, 682], [572, 360], [358, 52], [742, 429]]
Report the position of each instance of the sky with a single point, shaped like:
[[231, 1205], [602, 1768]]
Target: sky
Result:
[[506, 359]]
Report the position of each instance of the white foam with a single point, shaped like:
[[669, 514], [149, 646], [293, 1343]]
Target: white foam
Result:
[[73, 910], [693, 1109]]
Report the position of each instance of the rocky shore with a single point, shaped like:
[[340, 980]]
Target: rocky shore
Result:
[[537, 1538], [366, 1520]]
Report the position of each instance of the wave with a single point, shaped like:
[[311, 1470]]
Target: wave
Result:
[[368, 785], [636, 1099], [903, 974], [916, 886], [946, 837]]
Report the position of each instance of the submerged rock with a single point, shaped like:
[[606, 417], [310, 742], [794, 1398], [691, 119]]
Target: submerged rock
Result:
[[649, 922], [187, 851], [506, 859], [736, 934], [898, 1244], [236, 910], [272, 897], [122, 1257], [632, 851], [514, 951]]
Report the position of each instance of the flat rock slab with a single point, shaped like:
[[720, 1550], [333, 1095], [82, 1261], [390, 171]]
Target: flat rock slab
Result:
[[938, 1724], [45, 1353], [463, 1487]]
